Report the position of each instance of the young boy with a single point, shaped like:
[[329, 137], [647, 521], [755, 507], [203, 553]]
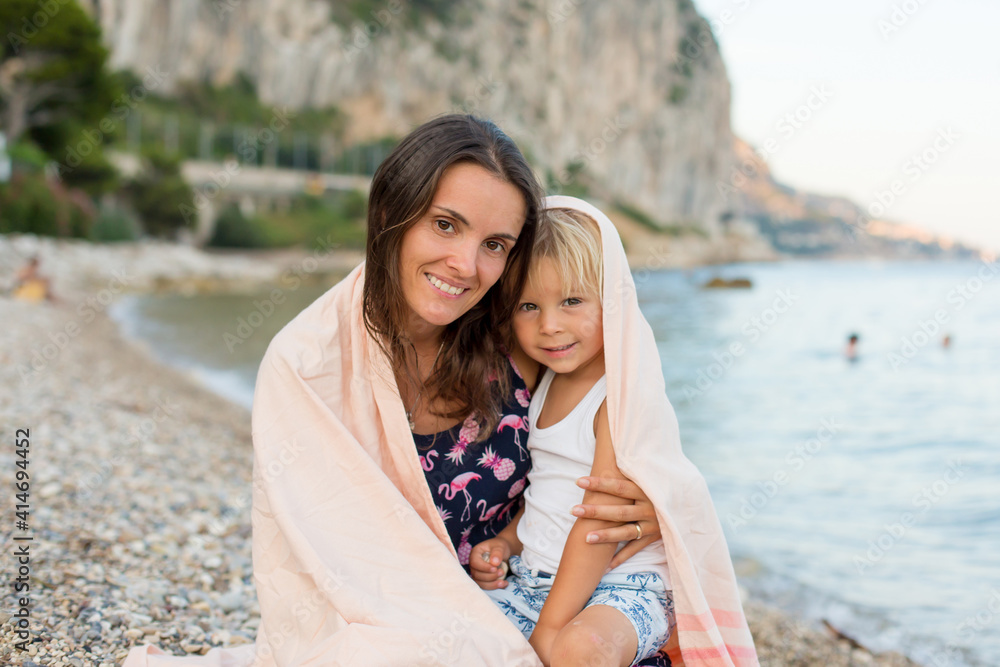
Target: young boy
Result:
[[559, 593]]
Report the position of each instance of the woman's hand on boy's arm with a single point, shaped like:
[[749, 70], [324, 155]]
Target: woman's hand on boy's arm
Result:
[[488, 563], [624, 516]]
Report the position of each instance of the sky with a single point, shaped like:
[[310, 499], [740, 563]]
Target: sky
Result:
[[889, 95]]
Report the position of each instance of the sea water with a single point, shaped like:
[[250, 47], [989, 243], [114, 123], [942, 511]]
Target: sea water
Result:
[[865, 492]]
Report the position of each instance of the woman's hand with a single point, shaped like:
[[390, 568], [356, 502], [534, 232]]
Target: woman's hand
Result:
[[488, 563], [640, 512]]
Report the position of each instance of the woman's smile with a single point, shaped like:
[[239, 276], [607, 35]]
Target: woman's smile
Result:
[[449, 289]]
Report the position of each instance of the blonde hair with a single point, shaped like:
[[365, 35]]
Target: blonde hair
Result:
[[572, 240]]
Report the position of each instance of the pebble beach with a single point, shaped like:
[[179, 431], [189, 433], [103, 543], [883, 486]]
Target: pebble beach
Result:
[[140, 477]]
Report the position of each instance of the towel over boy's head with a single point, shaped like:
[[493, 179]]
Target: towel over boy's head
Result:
[[711, 626]]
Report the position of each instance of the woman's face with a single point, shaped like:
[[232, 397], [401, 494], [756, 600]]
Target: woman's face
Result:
[[455, 253]]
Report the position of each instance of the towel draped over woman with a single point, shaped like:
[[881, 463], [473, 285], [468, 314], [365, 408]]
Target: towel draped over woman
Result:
[[352, 562]]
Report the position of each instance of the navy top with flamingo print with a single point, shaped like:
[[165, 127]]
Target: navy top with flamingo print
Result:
[[477, 487]]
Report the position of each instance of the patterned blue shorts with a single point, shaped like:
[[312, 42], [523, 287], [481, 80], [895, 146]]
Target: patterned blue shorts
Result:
[[641, 596]]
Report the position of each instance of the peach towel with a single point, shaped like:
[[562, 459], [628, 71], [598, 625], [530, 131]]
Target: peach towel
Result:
[[352, 563]]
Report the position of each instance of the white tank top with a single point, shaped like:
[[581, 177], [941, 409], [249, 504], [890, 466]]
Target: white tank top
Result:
[[560, 454]]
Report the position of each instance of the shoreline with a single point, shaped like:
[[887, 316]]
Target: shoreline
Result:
[[121, 443]]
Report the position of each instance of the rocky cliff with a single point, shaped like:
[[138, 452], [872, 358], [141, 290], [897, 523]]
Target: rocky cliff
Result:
[[630, 98]]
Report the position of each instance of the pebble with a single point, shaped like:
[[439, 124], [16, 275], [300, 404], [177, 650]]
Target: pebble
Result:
[[124, 541]]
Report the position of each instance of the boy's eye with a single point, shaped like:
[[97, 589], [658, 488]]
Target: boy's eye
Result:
[[528, 306], [573, 301]]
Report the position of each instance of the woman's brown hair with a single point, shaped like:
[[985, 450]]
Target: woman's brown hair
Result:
[[401, 193]]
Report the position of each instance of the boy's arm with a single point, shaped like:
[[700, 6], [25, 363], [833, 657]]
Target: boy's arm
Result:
[[582, 564]]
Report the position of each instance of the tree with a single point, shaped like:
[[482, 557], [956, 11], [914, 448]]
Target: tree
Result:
[[54, 85], [52, 66], [160, 196]]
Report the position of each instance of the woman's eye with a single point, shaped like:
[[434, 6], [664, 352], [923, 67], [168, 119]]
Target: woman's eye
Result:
[[444, 225], [496, 246]]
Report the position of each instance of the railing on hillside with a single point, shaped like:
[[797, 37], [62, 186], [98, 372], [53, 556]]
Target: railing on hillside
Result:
[[278, 145]]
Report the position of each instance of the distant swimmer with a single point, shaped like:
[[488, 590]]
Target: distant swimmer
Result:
[[851, 351], [31, 285]]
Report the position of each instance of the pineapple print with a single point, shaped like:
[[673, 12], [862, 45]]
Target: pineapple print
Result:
[[470, 429], [502, 468], [464, 548]]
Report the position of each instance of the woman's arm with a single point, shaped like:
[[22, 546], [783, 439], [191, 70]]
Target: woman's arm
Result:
[[621, 517], [582, 564]]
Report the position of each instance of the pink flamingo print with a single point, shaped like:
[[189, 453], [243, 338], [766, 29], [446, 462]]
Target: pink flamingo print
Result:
[[516, 423], [506, 510], [487, 514], [459, 484], [425, 461]]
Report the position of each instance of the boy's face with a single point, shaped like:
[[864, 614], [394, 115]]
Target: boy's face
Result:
[[559, 328]]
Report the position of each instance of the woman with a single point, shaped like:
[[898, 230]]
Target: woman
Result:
[[355, 563]]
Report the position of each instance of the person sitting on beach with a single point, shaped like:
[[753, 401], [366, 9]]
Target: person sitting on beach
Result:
[[561, 593], [31, 285]]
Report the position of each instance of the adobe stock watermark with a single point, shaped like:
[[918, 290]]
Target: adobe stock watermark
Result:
[[790, 124], [795, 460], [30, 27], [441, 649], [486, 87], [363, 32], [913, 169], [694, 45], [753, 328], [727, 17], [248, 149], [563, 10], [264, 308], [87, 311], [924, 500], [611, 132], [123, 105], [287, 452], [968, 629], [328, 583], [899, 16], [958, 296], [143, 431]]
